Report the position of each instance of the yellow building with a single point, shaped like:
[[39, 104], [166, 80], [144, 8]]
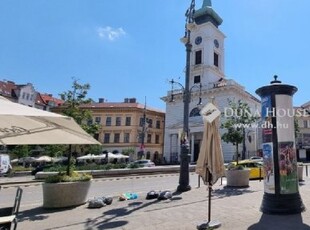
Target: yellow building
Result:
[[123, 126]]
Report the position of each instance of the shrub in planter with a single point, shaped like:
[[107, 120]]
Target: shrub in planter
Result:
[[62, 191]]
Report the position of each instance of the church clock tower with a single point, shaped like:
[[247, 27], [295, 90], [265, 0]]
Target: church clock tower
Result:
[[207, 56]]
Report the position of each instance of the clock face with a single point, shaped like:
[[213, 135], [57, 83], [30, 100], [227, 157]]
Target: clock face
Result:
[[198, 40], [216, 43]]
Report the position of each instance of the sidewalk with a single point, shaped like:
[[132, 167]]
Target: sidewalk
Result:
[[234, 208]]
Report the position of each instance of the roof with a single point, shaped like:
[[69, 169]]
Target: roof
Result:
[[207, 14], [49, 99], [120, 105]]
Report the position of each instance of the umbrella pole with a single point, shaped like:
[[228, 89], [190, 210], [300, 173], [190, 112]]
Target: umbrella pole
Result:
[[209, 224], [209, 203]]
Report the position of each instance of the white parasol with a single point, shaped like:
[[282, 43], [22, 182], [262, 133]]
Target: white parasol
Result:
[[23, 125]]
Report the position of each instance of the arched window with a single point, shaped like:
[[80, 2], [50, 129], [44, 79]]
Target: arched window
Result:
[[195, 112]]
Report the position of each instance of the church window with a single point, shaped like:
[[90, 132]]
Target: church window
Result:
[[198, 57], [195, 112], [216, 59], [197, 79]]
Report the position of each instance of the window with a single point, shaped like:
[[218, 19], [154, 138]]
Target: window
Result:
[[126, 137], [106, 138], [128, 121], [116, 137], [118, 121], [90, 121], [141, 122], [216, 59], [156, 139], [108, 121], [157, 124], [197, 79], [98, 120], [96, 136], [150, 123], [24, 95], [305, 124], [149, 138], [198, 56]]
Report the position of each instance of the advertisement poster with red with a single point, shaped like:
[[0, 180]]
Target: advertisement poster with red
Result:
[[288, 168], [266, 119], [269, 181]]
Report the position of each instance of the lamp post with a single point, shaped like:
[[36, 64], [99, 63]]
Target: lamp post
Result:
[[143, 132], [185, 147], [185, 151]]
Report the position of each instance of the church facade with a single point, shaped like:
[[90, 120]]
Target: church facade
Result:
[[207, 82]]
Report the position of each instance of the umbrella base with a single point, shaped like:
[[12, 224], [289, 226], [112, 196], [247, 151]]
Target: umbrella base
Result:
[[209, 225]]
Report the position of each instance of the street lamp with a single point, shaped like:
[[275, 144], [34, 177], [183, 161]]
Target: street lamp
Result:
[[185, 153], [185, 148]]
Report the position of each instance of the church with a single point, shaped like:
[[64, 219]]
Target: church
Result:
[[207, 82]]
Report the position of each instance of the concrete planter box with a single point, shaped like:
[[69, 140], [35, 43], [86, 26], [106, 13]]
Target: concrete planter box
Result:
[[65, 194], [238, 178], [300, 170]]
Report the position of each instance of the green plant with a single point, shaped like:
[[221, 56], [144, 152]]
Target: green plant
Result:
[[235, 124], [235, 167], [63, 177]]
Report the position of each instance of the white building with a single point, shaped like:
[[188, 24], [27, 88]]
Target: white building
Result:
[[207, 67]]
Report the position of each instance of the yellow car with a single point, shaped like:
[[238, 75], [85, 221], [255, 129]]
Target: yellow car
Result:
[[256, 168]]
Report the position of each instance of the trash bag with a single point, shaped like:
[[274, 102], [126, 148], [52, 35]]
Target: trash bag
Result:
[[164, 195], [152, 195], [96, 203], [108, 200]]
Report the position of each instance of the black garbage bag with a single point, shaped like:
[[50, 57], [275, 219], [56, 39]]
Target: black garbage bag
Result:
[[165, 195], [97, 202], [152, 195]]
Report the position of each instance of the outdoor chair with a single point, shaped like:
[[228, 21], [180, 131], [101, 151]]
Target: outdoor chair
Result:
[[9, 215]]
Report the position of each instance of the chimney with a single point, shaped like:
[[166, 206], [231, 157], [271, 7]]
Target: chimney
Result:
[[101, 100], [132, 100], [126, 100]]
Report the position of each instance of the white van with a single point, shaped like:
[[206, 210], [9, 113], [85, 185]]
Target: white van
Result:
[[5, 165]]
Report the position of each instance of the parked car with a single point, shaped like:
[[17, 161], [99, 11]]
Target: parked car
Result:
[[257, 158], [145, 163], [256, 168]]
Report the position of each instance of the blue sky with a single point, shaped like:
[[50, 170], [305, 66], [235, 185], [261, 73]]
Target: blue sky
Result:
[[132, 48]]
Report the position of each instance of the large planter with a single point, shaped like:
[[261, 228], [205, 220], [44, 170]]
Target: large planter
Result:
[[65, 194], [238, 178]]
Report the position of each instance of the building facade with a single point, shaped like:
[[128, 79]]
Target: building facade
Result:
[[131, 126], [303, 132], [207, 82]]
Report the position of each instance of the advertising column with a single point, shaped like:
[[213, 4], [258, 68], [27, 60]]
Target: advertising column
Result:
[[281, 195]]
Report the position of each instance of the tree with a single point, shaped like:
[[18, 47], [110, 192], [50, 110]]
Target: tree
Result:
[[239, 118], [74, 100]]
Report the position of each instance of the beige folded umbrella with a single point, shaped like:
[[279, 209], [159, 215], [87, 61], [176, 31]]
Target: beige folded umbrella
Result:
[[24, 125], [210, 164]]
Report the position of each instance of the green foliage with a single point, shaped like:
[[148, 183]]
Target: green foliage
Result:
[[235, 167], [128, 151], [235, 123], [74, 101], [55, 150], [21, 151], [63, 177]]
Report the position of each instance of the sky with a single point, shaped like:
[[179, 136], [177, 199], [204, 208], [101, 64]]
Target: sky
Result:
[[132, 48]]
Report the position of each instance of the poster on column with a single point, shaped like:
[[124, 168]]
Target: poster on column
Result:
[[288, 168], [269, 181], [267, 119]]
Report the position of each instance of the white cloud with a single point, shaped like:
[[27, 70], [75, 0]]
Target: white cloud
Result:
[[110, 33]]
